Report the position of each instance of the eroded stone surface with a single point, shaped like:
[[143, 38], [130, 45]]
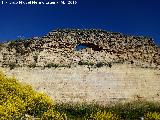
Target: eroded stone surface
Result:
[[58, 47]]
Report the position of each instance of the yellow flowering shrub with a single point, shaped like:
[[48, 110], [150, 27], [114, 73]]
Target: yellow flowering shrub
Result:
[[53, 115], [152, 116], [103, 116], [18, 100]]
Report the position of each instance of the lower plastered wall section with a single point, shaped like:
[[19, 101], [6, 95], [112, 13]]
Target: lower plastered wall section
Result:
[[121, 82]]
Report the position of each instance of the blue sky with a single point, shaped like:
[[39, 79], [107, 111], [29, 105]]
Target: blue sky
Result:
[[133, 17]]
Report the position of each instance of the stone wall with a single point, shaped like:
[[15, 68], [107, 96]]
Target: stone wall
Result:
[[58, 47], [113, 67], [121, 82]]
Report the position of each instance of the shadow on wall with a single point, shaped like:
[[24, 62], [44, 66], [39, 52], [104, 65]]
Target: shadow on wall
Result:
[[88, 45]]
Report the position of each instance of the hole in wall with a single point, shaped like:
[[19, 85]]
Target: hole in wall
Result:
[[80, 47], [88, 45]]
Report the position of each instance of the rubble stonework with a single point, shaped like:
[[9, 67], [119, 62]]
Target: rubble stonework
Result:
[[59, 47]]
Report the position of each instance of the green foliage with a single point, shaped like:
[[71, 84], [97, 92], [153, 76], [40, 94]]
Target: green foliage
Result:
[[152, 116], [126, 111], [103, 116], [119, 61], [17, 100], [77, 111], [85, 63], [12, 65], [49, 65], [134, 110], [100, 64], [53, 115], [97, 65]]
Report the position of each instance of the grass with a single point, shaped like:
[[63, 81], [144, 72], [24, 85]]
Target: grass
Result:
[[127, 111]]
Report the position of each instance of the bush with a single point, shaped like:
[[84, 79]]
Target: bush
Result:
[[18, 100], [53, 115], [103, 116], [78, 110], [152, 116]]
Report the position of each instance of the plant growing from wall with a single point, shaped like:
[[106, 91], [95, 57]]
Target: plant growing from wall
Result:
[[12, 65], [85, 63], [35, 57], [99, 64], [49, 65]]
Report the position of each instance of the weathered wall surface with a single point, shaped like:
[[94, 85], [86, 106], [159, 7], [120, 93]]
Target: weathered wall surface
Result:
[[59, 46], [79, 84]]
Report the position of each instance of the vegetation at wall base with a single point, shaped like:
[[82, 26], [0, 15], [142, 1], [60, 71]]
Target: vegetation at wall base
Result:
[[121, 111], [152, 116]]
